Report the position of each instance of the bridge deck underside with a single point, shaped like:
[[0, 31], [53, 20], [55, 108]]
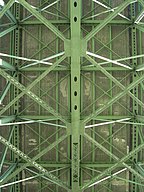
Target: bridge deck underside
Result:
[[118, 128]]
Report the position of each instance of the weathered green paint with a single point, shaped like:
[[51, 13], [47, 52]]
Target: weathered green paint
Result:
[[75, 47], [75, 55]]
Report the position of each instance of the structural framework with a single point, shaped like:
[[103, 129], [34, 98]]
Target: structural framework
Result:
[[71, 96]]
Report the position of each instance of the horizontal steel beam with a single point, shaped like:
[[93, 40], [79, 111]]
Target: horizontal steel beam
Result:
[[68, 164], [113, 22], [86, 68], [102, 165], [83, 22], [99, 117]]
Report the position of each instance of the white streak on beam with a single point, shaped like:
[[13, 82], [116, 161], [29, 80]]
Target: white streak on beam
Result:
[[111, 9], [140, 69], [26, 179], [50, 5], [44, 60], [17, 123], [124, 59], [108, 177], [109, 60], [139, 18], [101, 4], [31, 121], [23, 58], [99, 14], [107, 123], [44, 122]]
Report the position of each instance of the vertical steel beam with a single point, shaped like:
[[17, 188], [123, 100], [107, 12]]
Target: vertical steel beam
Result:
[[135, 106], [75, 16], [15, 39]]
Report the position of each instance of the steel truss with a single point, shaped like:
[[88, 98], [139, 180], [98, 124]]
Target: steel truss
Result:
[[71, 96]]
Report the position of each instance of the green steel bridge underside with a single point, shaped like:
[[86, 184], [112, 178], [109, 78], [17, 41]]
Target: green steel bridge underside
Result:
[[72, 96]]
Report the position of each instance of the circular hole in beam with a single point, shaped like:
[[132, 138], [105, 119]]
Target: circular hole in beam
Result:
[[75, 79], [75, 19], [75, 93], [75, 107], [75, 4]]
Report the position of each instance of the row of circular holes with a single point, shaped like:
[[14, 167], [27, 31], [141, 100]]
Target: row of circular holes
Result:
[[135, 110], [135, 91], [75, 93], [75, 5], [75, 78], [135, 104]]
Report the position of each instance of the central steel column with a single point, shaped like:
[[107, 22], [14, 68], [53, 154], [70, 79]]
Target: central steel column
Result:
[[75, 45]]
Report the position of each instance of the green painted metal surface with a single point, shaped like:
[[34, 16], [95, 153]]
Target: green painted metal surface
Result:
[[71, 96]]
